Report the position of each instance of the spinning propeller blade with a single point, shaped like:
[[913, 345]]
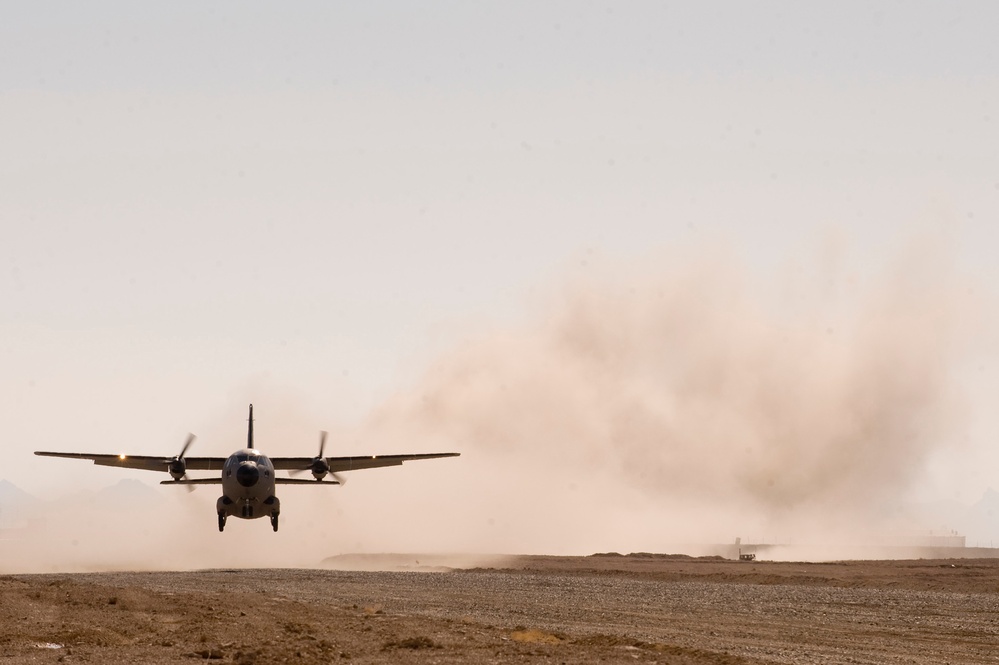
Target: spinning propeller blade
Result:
[[319, 466], [179, 459], [187, 444]]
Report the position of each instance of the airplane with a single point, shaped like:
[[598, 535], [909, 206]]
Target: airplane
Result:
[[247, 476]]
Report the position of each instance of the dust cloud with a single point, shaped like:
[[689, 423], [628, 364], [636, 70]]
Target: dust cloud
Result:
[[688, 400], [638, 406]]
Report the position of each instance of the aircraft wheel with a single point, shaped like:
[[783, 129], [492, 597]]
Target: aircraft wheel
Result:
[[274, 522], [221, 521]]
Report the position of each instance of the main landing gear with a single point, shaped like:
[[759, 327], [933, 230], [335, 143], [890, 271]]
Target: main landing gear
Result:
[[274, 505], [222, 508]]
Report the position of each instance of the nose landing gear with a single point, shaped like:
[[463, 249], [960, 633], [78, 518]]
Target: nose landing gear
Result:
[[221, 521], [274, 521]]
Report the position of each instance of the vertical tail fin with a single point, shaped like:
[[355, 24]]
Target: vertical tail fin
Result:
[[249, 431]]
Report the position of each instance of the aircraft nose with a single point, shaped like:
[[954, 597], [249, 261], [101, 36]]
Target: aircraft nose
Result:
[[247, 474]]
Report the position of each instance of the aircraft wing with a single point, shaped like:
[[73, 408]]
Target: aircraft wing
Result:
[[146, 462], [277, 481], [193, 481], [354, 463], [302, 481]]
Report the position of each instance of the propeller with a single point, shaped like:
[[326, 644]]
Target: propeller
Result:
[[187, 444], [178, 467], [320, 467]]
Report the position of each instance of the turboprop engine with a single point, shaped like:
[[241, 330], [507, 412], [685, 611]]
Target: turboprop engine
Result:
[[177, 466]]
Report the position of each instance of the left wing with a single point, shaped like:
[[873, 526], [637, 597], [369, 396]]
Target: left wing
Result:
[[146, 462], [351, 463]]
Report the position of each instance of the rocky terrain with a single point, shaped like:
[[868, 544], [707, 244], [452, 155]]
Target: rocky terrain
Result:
[[425, 609]]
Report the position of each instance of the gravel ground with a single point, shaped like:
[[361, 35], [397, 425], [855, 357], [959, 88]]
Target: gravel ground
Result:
[[572, 610]]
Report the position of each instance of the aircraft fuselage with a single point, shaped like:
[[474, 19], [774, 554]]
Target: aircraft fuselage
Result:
[[248, 487]]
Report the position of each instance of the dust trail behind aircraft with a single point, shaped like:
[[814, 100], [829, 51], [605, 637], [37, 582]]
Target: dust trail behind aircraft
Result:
[[674, 401]]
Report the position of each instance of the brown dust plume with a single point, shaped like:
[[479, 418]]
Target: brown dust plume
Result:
[[684, 399]]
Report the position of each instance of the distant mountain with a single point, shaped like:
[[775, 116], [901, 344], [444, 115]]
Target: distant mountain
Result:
[[127, 494], [15, 503], [14, 497]]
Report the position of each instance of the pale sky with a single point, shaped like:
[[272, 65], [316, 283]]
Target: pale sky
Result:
[[206, 204]]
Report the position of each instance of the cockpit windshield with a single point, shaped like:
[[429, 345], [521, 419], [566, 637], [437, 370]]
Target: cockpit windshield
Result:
[[250, 457]]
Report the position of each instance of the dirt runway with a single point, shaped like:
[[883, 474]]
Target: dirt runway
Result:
[[516, 609]]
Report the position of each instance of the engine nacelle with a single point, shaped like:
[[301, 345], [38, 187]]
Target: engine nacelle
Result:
[[320, 468], [177, 468]]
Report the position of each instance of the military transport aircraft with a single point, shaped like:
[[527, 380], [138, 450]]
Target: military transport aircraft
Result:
[[247, 476]]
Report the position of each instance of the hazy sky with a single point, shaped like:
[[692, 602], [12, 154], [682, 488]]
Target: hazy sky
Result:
[[306, 205]]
